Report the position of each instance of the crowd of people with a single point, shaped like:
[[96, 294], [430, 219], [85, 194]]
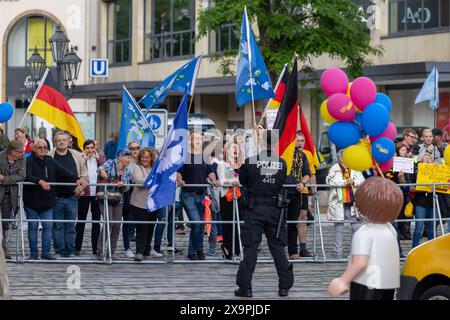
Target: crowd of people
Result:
[[429, 148], [216, 163]]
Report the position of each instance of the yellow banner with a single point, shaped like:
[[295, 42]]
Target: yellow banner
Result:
[[433, 173]]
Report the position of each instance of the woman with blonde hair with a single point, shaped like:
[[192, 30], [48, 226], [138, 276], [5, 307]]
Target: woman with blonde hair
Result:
[[138, 203], [228, 174]]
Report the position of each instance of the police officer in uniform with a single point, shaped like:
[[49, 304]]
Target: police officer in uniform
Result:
[[263, 177]]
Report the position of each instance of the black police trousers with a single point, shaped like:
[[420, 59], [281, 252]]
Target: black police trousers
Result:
[[256, 221]]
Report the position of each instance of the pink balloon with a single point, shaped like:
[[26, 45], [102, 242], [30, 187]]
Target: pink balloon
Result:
[[341, 107], [363, 92], [386, 166], [334, 80], [390, 133]]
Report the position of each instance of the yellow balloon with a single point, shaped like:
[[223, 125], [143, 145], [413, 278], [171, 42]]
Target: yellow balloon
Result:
[[325, 114], [357, 157], [447, 155], [409, 210], [366, 144]]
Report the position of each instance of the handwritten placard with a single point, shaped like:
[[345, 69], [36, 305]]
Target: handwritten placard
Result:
[[403, 164], [433, 173], [271, 115]]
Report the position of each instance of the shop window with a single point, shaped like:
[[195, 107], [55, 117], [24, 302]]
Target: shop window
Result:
[[119, 32], [415, 16], [171, 32], [29, 33]]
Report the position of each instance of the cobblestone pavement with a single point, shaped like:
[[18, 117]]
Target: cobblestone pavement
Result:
[[87, 278], [160, 281]]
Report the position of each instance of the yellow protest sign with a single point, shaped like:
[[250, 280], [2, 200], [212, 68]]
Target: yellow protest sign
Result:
[[433, 173]]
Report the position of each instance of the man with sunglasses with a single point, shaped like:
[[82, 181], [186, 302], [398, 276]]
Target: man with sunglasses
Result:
[[39, 199]]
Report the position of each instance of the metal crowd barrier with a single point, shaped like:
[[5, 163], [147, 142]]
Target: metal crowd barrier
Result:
[[169, 252]]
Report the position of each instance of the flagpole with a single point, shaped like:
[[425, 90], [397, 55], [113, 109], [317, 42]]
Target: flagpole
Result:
[[247, 27], [194, 83], [34, 96], [139, 110], [276, 87]]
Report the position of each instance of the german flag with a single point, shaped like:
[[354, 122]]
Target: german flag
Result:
[[280, 89], [287, 119], [309, 144], [50, 104]]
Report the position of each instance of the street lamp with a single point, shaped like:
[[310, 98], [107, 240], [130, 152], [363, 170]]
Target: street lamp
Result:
[[67, 62], [71, 67], [58, 43], [36, 66]]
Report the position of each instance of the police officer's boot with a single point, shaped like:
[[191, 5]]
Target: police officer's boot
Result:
[[241, 292], [283, 292]]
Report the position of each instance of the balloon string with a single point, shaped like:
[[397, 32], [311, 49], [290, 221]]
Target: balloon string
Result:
[[379, 169]]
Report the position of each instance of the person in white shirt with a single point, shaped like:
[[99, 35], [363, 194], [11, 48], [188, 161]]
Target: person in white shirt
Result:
[[89, 199], [374, 269], [228, 175]]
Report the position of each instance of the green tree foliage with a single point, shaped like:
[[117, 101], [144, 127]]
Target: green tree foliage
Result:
[[309, 28]]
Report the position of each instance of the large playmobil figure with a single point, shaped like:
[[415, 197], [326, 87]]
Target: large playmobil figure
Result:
[[374, 269]]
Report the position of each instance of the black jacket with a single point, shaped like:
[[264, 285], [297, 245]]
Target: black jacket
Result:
[[49, 170]]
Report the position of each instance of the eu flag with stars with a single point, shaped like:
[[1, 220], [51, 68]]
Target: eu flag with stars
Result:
[[182, 77], [161, 181], [251, 61], [133, 126]]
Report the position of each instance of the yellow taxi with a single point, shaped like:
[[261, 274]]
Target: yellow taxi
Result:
[[426, 273]]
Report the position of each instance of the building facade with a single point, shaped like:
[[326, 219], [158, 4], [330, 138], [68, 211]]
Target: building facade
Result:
[[146, 40], [27, 25]]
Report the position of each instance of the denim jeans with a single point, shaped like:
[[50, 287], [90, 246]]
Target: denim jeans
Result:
[[194, 209], [159, 230], [339, 230], [423, 213], [64, 233], [128, 228], [33, 230]]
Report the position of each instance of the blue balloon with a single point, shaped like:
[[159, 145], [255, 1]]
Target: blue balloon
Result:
[[375, 119], [383, 149], [383, 99], [343, 134], [6, 112]]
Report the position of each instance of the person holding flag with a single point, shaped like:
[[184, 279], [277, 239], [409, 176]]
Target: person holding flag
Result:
[[51, 105]]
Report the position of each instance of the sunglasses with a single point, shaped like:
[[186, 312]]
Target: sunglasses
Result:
[[135, 148]]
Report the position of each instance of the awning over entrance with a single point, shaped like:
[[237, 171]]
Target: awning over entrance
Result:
[[393, 76], [217, 85]]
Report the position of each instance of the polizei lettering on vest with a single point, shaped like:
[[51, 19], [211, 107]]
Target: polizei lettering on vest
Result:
[[268, 165]]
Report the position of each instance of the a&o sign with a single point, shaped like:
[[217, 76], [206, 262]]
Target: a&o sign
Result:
[[98, 68]]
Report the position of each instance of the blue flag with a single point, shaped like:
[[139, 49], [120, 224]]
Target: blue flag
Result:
[[184, 76], [430, 90], [162, 179], [250, 57], [133, 126]]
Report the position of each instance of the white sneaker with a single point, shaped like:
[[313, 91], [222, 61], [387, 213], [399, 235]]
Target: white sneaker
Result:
[[129, 254], [155, 254]]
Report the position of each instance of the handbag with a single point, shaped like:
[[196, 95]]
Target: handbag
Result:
[[113, 194]]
